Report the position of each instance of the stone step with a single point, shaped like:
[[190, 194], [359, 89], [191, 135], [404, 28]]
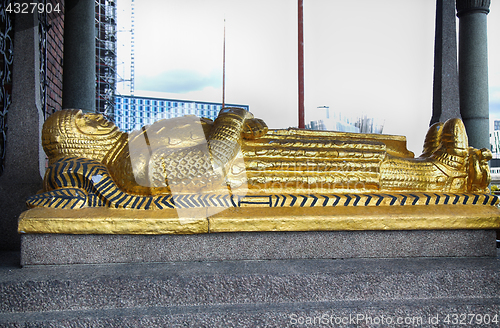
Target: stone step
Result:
[[423, 313], [273, 293]]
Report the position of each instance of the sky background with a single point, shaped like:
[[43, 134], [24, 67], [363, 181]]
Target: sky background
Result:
[[363, 57]]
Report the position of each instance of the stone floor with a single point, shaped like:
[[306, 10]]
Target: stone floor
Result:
[[423, 292]]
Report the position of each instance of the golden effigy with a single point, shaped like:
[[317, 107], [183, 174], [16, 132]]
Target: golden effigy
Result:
[[235, 174]]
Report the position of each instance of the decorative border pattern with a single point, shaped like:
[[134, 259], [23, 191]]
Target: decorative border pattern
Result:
[[76, 198], [372, 199], [78, 183]]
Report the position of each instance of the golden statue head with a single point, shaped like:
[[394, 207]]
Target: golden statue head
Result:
[[71, 133]]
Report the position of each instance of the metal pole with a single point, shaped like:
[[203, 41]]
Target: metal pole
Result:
[[301, 66]]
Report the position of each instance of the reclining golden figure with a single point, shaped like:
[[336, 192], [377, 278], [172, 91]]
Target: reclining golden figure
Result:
[[237, 153]]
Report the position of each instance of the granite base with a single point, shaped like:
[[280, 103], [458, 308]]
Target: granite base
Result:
[[49, 249]]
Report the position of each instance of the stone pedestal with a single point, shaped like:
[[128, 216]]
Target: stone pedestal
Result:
[[463, 227], [419, 256]]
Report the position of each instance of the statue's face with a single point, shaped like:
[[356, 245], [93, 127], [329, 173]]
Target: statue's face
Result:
[[94, 124]]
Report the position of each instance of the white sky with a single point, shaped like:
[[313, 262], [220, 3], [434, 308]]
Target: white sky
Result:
[[372, 57]]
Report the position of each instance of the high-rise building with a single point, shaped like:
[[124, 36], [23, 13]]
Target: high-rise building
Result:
[[133, 112]]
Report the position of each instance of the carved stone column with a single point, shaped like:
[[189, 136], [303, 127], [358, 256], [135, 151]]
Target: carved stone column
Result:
[[473, 70], [79, 56], [24, 158], [445, 100]]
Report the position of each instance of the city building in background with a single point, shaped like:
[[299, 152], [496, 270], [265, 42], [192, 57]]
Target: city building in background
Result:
[[105, 52], [133, 112], [367, 124], [495, 150], [495, 139], [324, 119]]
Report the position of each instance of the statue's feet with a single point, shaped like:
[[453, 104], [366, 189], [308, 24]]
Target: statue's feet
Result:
[[451, 155], [453, 147], [432, 139], [479, 171]]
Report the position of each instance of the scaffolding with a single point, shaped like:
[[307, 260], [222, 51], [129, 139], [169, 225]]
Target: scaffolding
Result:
[[132, 57], [105, 49], [132, 48]]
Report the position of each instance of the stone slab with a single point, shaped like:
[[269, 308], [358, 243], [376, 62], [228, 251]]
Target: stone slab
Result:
[[43, 249], [275, 293]]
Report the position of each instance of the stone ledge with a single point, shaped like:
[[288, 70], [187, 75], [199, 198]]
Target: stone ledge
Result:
[[263, 315]]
